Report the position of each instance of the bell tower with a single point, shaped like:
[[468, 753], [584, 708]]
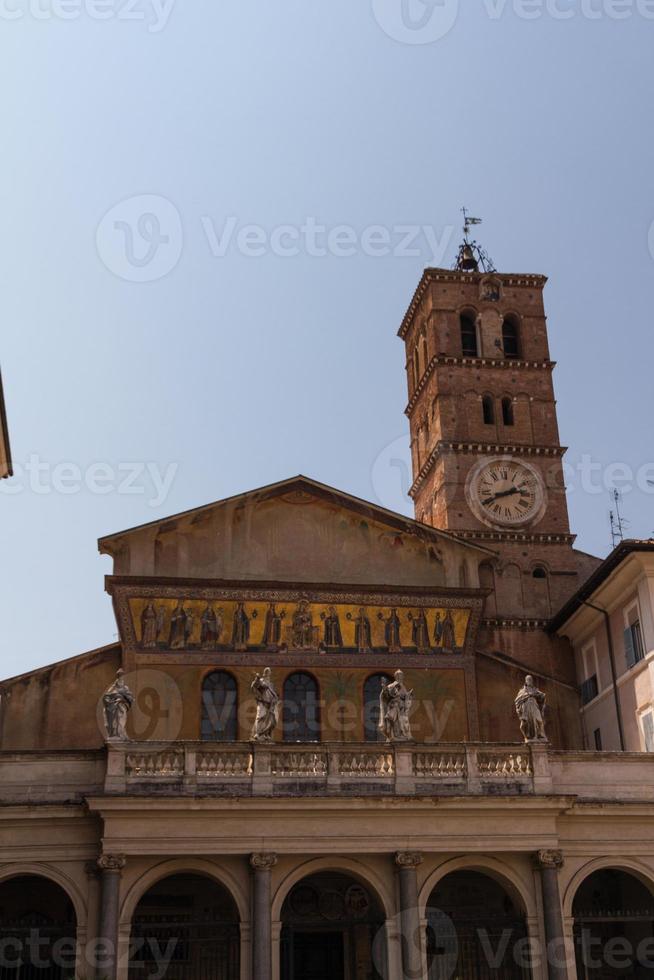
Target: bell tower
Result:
[[486, 452]]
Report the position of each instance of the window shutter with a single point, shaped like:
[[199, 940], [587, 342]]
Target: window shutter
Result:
[[629, 648]]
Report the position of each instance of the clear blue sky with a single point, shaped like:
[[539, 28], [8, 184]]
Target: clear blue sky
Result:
[[243, 369]]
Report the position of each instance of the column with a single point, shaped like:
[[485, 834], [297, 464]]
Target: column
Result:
[[407, 863], [262, 865], [549, 862], [111, 868]]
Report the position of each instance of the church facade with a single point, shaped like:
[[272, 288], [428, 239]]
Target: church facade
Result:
[[304, 758]]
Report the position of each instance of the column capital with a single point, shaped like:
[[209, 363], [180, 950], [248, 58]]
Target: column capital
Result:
[[548, 859], [263, 861], [112, 862], [408, 859]]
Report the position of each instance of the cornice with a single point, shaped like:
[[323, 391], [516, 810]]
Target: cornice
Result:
[[524, 625], [529, 280], [517, 537], [482, 449], [475, 363]]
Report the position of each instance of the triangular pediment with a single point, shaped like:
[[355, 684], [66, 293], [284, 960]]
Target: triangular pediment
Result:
[[295, 531]]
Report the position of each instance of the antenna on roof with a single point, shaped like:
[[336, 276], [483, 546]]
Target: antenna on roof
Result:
[[472, 257], [618, 523]]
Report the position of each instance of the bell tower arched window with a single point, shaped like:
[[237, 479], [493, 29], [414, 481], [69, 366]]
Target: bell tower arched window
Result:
[[469, 345], [507, 411], [488, 408], [511, 338], [219, 708]]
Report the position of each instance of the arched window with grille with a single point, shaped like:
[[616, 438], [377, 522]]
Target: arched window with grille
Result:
[[488, 408], [511, 338], [301, 710], [219, 708], [371, 693], [507, 411], [469, 345]]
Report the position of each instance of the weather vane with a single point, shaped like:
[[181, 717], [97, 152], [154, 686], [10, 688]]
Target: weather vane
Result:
[[472, 257]]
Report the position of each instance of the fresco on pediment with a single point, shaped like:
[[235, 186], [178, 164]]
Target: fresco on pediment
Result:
[[296, 626]]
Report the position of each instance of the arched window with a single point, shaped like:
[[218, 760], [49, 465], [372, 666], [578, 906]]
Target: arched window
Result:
[[469, 346], [219, 708], [539, 573], [507, 411], [301, 715], [488, 406], [511, 338], [371, 692]]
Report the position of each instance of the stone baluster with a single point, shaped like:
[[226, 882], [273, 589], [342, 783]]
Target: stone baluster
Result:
[[111, 868], [407, 863], [548, 863], [262, 865]]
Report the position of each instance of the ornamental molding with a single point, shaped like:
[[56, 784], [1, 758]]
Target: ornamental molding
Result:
[[526, 625], [263, 861], [481, 449], [552, 859], [408, 859], [112, 863]]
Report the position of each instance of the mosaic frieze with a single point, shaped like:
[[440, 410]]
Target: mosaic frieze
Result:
[[302, 626]]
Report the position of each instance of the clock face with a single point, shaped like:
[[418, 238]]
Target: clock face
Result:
[[505, 492]]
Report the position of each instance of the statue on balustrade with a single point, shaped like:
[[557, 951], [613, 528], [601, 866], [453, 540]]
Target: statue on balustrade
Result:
[[530, 707], [117, 701], [241, 629], [420, 633], [394, 710], [267, 699], [181, 627], [392, 631], [212, 626], [151, 625], [362, 632], [272, 628], [333, 636]]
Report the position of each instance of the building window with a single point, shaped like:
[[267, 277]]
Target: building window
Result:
[[507, 411], [301, 714], [648, 730], [371, 695], [597, 737], [219, 708], [589, 689], [488, 406], [633, 644], [469, 346], [511, 338]]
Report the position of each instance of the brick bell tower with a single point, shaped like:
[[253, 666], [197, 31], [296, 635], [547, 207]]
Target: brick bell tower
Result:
[[487, 458]]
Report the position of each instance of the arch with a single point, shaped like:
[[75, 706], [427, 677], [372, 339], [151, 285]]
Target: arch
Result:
[[508, 413], [469, 333], [511, 337], [628, 865], [219, 715], [371, 693], [488, 409], [342, 865], [183, 866], [301, 708], [507, 877], [57, 877]]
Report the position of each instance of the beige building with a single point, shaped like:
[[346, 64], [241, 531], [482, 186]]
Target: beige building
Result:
[[396, 826]]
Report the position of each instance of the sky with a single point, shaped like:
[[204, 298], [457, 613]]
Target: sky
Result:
[[214, 215]]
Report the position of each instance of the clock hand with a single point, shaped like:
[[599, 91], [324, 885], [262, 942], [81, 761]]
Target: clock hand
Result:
[[503, 493]]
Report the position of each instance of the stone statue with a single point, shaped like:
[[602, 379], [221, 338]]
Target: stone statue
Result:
[[149, 626], [392, 631], [241, 629], [362, 632], [272, 629], [181, 626], [333, 636], [117, 701], [530, 704], [302, 628], [420, 630], [267, 700], [394, 708], [211, 628]]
